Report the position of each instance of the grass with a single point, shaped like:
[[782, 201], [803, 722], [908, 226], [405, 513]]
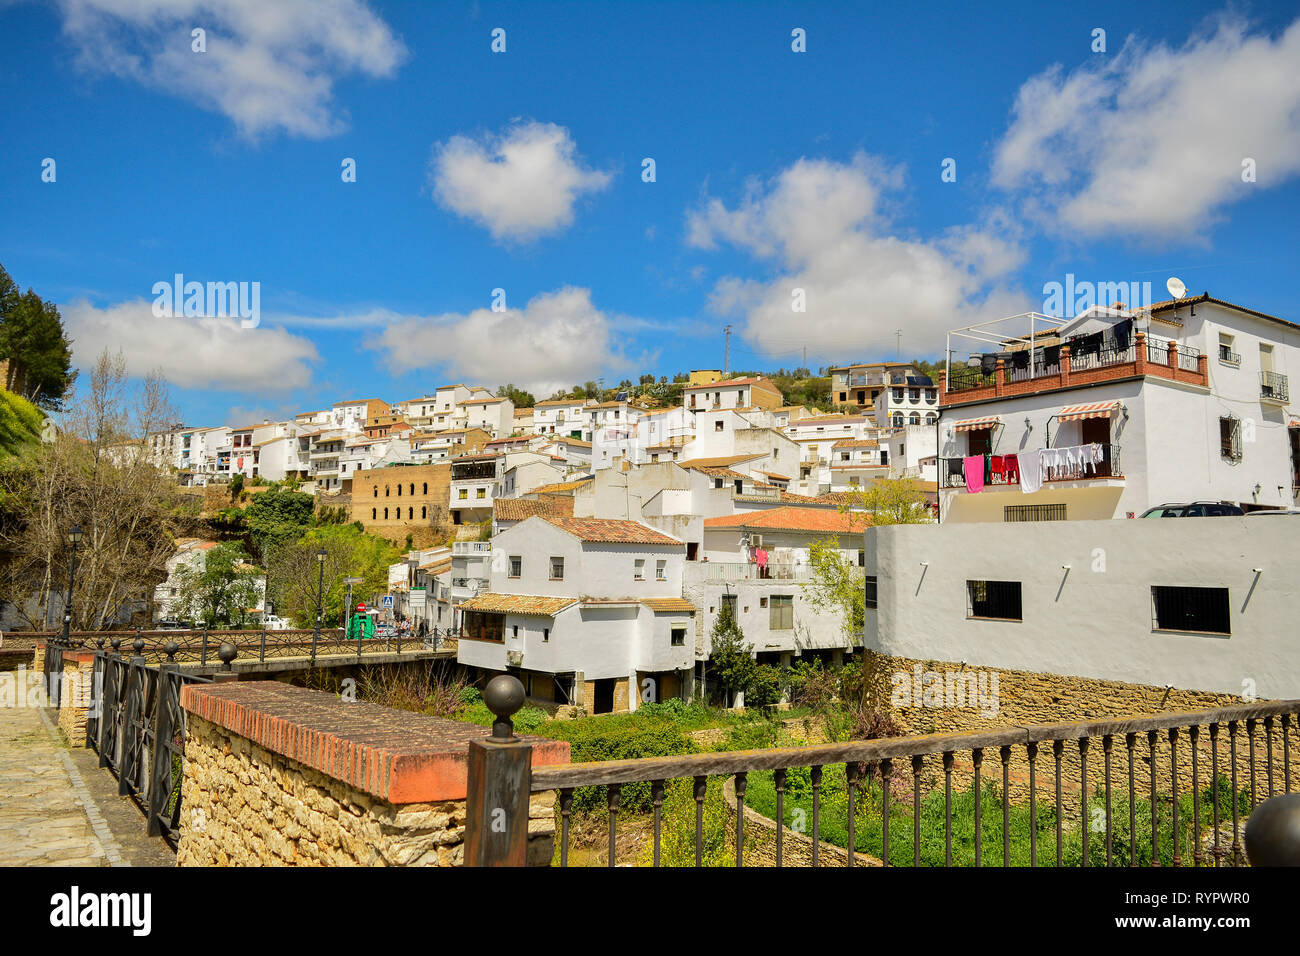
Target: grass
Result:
[[869, 829]]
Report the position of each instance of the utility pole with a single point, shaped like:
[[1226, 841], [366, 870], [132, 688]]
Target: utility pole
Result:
[[726, 355], [898, 346], [805, 356]]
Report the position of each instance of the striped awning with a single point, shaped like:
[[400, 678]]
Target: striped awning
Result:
[[971, 424], [1096, 410]]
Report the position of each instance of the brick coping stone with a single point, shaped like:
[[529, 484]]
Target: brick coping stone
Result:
[[397, 755]]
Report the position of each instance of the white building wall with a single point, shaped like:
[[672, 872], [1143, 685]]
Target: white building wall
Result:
[[1095, 619]]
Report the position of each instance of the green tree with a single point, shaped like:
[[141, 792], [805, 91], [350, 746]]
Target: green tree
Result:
[[890, 501], [836, 585], [518, 396], [217, 589], [276, 518], [731, 660], [31, 333]]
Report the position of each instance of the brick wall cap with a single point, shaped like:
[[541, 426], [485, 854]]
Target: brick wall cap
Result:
[[399, 756]]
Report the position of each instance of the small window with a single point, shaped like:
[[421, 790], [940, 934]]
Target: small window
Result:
[[481, 493], [516, 565], [386, 491], [557, 569], [1190, 609], [996, 600], [464, 494], [426, 488], [781, 612], [374, 513], [678, 636], [718, 426], [661, 570], [1230, 438], [424, 511], [638, 573], [869, 599], [376, 491], [515, 631], [385, 514], [762, 602], [399, 491], [546, 634]]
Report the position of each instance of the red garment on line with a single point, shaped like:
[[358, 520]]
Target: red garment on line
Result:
[[1012, 465], [998, 465]]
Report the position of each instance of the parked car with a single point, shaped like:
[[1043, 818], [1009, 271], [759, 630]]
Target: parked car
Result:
[[385, 629], [170, 626], [1195, 509], [1276, 511]]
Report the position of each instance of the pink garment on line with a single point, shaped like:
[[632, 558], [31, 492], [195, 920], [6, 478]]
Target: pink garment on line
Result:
[[973, 468], [760, 558]]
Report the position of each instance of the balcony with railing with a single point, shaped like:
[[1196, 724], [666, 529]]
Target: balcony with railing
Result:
[[1059, 464], [732, 572], [1083, 360], [1273, 387], [471, 547]]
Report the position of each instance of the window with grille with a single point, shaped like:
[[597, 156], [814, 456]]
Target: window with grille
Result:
[[557, 569], [781, 612], [679, 636], [638, 572], [516, 565], [870, 597], [997, 600], [1230, 438], [1033, 513], [1190, 609]]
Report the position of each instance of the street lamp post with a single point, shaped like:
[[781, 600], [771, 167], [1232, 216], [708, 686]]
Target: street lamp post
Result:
[[320, 599], [74, 537]]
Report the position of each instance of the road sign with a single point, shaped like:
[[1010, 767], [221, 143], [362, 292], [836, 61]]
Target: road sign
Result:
[[361, 607], [387, 601]]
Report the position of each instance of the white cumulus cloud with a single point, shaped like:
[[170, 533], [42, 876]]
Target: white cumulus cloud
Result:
[[521, 184], [824, 227], [1152, 141], [211, 353], [556, 340], [268, 66]]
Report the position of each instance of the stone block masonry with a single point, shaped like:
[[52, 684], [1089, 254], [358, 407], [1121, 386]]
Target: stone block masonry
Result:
[[282, 776]]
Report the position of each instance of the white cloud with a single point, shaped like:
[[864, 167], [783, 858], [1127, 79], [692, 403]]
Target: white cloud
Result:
[[268, 66], [520, 185], [190, 352], [559, 338], [1153, 139], [825, 227]]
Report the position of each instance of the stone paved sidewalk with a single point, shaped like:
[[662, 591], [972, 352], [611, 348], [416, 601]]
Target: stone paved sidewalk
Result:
[[44, 820]]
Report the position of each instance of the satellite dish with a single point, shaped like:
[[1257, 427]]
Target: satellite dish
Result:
[[1176, 287]]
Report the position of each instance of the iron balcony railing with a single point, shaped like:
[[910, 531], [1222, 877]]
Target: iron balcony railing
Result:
[[1153, 755], [952, 471], [1274, 387], [734, 571], [1228, 357]]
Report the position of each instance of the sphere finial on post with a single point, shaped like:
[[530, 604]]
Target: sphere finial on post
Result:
[[1273, 832], [503, 695]]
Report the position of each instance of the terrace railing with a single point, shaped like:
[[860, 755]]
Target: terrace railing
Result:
[[1155, 753]]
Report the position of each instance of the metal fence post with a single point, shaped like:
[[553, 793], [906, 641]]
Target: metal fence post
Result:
[[132, 695], [499, 784], [160, 771], [108, 709]]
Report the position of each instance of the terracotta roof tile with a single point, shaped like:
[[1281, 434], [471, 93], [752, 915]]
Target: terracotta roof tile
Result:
[[610, 530], [669, 604], [816, 520], [518, 509], [534, 604]]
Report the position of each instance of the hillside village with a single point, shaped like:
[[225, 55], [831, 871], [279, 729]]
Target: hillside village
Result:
[[589, 544]]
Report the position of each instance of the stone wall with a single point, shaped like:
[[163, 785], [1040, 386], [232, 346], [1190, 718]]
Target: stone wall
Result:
[[75, 696], [1026, 698], [283, 776]]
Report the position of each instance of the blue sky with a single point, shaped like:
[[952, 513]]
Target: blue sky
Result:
[[775, 171]]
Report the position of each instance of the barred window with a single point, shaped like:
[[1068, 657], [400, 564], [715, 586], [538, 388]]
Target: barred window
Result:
[[781, 612], [1230, 438], [999, 600], [1033, 513], [1190, 609], [870, 600]]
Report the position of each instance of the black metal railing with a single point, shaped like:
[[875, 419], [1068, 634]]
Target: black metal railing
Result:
[[962, 378], [1274, 386], [1083, 356], [136, 724], [1170, 818]]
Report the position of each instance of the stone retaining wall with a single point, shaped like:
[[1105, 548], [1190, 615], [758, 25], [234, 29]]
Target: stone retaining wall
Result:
[[282, 776]]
